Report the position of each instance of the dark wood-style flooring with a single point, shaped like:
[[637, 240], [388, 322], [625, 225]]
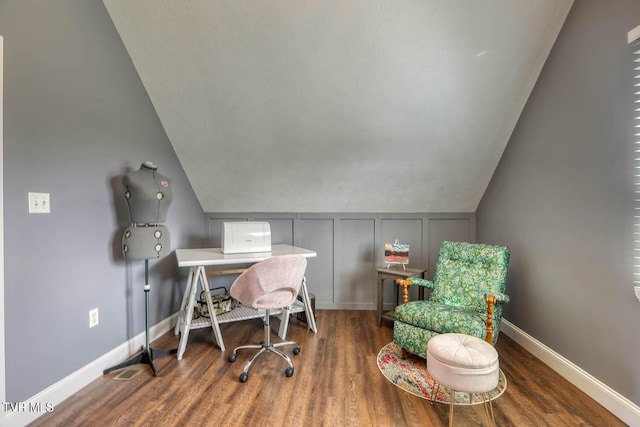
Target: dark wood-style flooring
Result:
[[336, 383]]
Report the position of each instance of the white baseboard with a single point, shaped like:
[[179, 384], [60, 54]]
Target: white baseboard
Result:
[[71, 384], [613, 401], [345, 306]]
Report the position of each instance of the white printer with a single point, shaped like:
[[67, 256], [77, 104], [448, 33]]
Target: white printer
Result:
[[245, 237]]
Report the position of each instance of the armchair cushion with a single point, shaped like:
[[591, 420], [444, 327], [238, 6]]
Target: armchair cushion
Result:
[[442, 318]]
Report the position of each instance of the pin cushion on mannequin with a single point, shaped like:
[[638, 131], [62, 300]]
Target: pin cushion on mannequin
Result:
[[148, 195]]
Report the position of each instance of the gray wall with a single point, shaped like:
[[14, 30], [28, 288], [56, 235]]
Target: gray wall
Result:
[[561, 200], [76, 119], [351, 246]]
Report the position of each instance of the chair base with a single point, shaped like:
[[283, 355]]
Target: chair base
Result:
[[266, 346]]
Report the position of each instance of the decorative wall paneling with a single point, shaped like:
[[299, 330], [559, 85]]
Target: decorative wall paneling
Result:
[[351, 246]]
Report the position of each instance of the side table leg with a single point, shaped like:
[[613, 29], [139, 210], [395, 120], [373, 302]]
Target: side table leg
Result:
[[395, 296], [380, 281]]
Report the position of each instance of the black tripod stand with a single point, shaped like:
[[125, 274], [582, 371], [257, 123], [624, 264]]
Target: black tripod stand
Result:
[[148, 354]]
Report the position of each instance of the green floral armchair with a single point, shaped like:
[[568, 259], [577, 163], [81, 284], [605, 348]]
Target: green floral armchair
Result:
[[467, 297]]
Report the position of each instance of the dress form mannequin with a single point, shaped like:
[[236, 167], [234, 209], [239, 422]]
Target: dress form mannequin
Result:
[[148, 195]]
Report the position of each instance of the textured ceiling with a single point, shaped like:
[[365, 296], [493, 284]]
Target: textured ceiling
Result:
[[338, 106]]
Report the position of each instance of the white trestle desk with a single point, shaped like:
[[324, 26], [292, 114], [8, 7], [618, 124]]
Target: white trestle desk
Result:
[[198, 259]]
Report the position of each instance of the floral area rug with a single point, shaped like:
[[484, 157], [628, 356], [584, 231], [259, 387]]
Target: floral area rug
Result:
[[411, 375]]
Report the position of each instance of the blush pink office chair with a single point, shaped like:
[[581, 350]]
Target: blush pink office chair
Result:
[[270, 284]]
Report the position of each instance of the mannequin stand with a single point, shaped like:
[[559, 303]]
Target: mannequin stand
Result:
[[148, 354]]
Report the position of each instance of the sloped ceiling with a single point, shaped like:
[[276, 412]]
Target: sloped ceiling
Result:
[[338, 106]]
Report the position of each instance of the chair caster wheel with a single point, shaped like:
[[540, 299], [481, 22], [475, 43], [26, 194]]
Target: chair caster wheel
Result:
[[244, 377], [232, 358], [296, 351], [288, 372]]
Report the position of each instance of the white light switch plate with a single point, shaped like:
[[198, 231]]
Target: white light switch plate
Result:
[[94, 320], [39, 203]]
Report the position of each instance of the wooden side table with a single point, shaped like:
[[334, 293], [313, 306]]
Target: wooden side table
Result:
[[393, 274]]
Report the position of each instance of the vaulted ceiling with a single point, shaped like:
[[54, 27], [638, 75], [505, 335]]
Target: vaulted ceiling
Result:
[[335, 105]]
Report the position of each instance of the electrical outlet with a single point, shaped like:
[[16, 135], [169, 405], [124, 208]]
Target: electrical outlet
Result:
[[39, 203], [637, 291], [93, 318]]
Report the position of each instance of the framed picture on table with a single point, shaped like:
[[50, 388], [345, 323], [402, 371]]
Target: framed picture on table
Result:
[[396, 254]]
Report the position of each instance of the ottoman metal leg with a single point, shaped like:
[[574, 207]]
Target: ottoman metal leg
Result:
[[451, 405], [486, 398], [434, 391], [486, 401]]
